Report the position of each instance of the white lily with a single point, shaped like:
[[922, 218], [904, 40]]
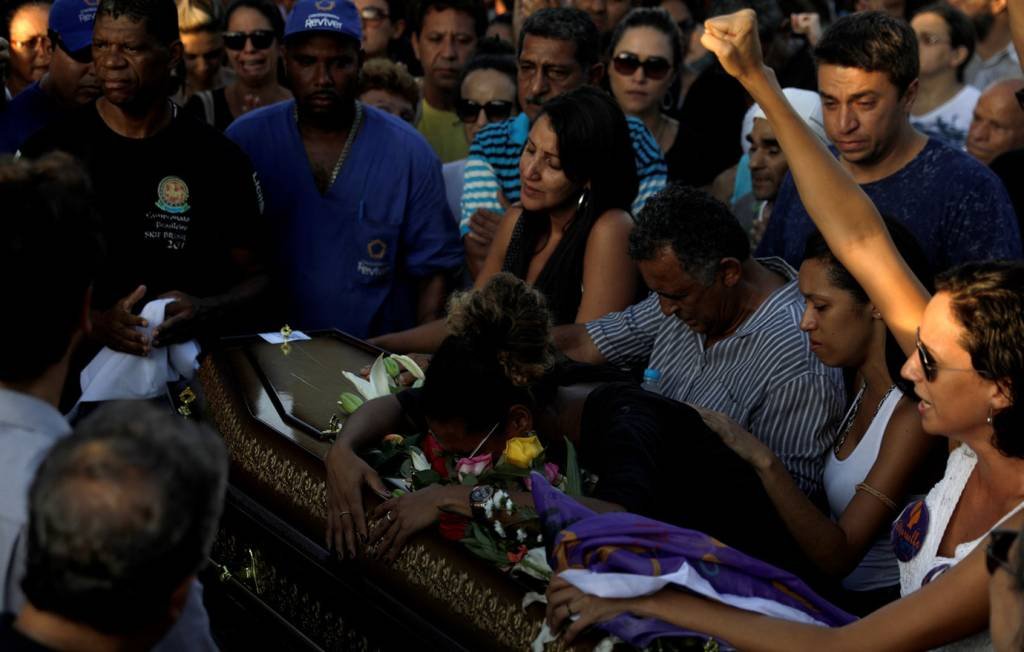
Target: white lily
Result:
[[535, 564], [419, 460], [410, 365], [376, 386]]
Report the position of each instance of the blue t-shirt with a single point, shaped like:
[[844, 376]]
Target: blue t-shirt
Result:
[[26, 114], [350, 259], [956, 208]]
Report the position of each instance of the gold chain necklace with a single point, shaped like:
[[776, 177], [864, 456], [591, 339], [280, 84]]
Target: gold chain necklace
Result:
[[357, 122]]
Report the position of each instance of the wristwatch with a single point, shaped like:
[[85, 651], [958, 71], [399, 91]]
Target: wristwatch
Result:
[[477, 497]]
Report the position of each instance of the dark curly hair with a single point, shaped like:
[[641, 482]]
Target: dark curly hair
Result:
[[987, 298], [160, 16], [499, 347], [700, 230]]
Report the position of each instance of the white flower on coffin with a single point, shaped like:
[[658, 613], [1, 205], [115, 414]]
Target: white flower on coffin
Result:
[[409, 365], [419, 460], [378, 384], [535, 564]]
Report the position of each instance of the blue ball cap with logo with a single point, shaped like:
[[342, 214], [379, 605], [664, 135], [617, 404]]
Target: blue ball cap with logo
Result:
[[72, 20], [330, 16]]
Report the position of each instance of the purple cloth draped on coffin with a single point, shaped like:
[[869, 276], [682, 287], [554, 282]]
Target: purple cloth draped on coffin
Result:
[[619, 542]]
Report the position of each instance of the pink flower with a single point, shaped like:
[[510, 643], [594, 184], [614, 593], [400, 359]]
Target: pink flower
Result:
[[473, 465], [551, 472]]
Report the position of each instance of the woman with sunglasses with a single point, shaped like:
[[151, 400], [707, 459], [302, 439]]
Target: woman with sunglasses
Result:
[[253, 42], [646, 58], [966, 360], [487, 93], [567, 237]]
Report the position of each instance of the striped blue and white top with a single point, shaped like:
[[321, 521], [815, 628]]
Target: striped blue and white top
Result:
[[493, 166], [763, 375]]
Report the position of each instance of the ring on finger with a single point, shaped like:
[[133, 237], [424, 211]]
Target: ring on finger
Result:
[[388, 516], [340, 514]]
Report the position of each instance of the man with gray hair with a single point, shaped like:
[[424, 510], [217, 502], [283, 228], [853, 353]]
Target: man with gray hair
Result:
[[722, 329], [122, 515]]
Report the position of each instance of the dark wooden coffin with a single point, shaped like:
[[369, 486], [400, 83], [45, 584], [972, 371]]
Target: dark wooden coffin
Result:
[[271, 568]]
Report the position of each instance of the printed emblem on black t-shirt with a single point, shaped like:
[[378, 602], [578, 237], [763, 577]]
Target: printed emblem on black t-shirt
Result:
[[172, 195]]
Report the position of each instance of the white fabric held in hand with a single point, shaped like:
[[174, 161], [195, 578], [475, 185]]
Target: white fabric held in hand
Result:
[[112, 375]]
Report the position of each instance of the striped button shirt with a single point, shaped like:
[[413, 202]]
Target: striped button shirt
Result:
[[493, 165], [763, 375]]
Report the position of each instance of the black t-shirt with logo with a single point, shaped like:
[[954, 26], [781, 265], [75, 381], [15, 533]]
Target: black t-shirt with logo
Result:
[[173, 206]]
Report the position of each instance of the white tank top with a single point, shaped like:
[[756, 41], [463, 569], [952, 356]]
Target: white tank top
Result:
[[878, 568], [928, 564]]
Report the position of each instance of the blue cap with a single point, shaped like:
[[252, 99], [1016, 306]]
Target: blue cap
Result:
[[652, 374], [329, 16], [73, 20]]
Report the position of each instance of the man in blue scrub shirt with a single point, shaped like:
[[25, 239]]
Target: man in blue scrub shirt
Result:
[[355, 197]]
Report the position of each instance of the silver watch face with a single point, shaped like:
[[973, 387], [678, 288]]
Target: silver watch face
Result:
[[481, 493]]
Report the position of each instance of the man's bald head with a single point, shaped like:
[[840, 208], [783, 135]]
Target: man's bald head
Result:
[[998, 124]]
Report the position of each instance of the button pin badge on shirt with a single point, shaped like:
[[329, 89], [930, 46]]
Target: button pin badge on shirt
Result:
[[909, 531], [172, 195]]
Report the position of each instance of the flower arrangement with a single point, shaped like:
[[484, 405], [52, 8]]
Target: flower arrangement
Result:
[[509, 535]]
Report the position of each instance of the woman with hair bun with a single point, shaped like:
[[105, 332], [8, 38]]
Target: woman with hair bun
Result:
[[495, 377]]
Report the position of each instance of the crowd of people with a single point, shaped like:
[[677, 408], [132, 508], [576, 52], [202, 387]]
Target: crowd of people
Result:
[[800, 223]]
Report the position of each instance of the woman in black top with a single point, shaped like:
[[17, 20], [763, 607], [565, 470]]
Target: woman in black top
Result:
[[568, 235]]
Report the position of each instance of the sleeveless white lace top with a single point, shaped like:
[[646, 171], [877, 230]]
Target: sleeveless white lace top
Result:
[[928, 563]]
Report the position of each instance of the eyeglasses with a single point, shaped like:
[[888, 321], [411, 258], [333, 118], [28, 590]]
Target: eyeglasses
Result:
[[81, 56], [931, 368], [261, 39], [40, 41], [626, 63], [373, 14], [468, 110], [484, 440], [998, 550]]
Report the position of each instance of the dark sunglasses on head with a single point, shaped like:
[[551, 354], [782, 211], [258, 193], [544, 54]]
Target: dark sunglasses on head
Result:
[[998, 550], [372, 13], [261, 39], [626, 63], [81, 56], [469, 111]]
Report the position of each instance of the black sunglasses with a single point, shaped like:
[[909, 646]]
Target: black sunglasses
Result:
[[626, 63], [81, 56], [998, 550], [261, 39], [469, 111], [372, 13], [931, 368]]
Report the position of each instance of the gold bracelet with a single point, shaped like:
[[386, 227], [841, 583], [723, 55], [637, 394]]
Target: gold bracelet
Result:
[[866, 488]]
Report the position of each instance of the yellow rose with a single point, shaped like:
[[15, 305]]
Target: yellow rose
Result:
[[521, 451]]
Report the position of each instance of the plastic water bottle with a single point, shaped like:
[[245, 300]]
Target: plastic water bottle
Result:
[[652, 381]]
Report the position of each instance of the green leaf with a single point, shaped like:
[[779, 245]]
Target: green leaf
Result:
[[573, 484], [425, 478]]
